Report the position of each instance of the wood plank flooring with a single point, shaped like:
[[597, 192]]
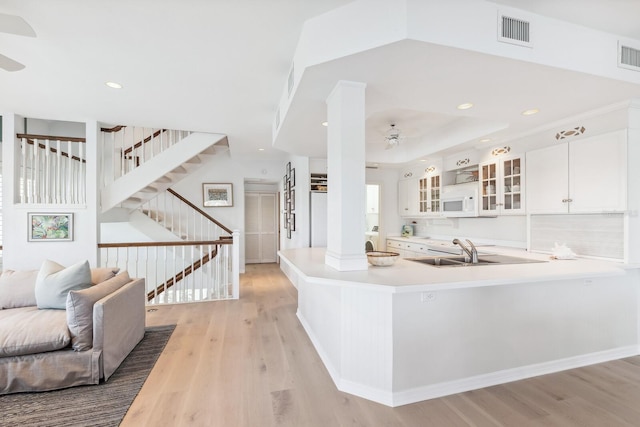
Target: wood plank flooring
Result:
[[249, 363]]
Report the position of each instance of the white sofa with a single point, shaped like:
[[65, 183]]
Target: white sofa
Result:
[[46, 348]]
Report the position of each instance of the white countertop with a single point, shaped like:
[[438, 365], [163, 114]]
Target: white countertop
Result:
[[410, 276]]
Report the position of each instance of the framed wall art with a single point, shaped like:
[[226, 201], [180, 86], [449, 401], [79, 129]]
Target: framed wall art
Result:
[[50, 227], [217, 195]]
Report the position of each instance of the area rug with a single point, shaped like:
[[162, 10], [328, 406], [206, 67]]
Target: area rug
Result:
[[94, 405]]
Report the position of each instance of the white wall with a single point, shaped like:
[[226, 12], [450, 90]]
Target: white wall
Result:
[[18, 252], [224, 169]]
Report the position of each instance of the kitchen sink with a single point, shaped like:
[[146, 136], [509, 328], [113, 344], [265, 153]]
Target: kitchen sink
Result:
[[461, 261]]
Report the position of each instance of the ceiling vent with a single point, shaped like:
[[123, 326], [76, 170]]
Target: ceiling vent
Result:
[[628, 57], [514, 31]]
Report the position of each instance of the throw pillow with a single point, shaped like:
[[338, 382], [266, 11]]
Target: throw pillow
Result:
[[101, 274], [18, 288], [80, 309], [54, 283]]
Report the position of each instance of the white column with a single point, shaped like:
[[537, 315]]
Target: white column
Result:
[[346, 177]]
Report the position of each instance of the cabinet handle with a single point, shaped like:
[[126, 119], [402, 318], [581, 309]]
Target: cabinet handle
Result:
[[567, 200]]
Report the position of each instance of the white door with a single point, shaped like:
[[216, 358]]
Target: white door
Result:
[[261, 226]]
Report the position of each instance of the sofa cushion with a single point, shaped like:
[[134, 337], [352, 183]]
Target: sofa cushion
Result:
[[54, 283], [101, 274], [28, 330], [80, 309], [18, 288]]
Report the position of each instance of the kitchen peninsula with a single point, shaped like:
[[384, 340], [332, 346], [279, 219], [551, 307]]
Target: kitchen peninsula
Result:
[[411, 332]]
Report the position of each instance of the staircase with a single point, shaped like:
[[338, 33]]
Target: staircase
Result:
[[157, 172]]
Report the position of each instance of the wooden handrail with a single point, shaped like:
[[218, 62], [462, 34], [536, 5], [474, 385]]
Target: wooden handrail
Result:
[[200, 211], [182, 274], [174, 243], [51, 138], [53, 150], [144, 141], [117, 128]]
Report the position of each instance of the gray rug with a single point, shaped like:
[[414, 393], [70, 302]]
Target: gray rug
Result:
[[94, 405]]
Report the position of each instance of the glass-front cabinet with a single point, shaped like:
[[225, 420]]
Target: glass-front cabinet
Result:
[[502, 186], [429, 195]]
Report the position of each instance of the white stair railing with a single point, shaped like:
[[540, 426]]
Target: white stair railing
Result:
[[178, 272], [52, 170], [176, 214], [125, 148]]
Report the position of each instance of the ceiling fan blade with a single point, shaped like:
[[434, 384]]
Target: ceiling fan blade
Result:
[[15, 25], [9, 64]]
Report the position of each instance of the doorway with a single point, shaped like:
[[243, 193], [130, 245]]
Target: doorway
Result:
[[372, 231], [261, 227]]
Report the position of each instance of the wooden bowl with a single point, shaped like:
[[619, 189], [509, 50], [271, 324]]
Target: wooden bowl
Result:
[[382, 259]]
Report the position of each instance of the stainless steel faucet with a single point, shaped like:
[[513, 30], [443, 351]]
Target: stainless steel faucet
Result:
[[471, 253]]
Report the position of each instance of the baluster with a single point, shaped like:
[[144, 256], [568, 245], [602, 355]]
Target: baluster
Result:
[[83, 175], [23, 171], [36, 172], [122, 154], [57, 180], [46, 171], [142, 147], [69, 197]]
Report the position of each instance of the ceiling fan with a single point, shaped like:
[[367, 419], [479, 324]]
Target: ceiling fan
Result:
[[13, 24], [393, 137]]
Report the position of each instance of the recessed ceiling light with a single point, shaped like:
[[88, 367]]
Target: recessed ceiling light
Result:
[[464, 106], [423, 160], [260, 149], [530, 112], [114, 85], [485, 140], [325, 124]]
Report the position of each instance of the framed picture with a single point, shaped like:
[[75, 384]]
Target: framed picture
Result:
[[50, 227], [217, 195], [292, 200], [292, 222], [293, 178]]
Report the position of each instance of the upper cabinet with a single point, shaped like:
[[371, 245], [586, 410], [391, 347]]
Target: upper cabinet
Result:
[[581, 176], [408, 197], [502, 186], [419, 197]]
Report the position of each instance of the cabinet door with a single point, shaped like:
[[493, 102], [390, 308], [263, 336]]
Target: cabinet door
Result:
[[511, 186], [423, 196], [489, 188], [408, 197], [597, 173], [434, 194], [547, 179]]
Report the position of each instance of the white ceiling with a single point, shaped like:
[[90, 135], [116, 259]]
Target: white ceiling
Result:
[[221, 65]]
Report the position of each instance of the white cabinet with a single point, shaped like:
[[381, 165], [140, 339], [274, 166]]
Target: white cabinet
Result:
[[582, 176], [429, 189], [407, 249], [408, 197], [419, 196], [502, 186]]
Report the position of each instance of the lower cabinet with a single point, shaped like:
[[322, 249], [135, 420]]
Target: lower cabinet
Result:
[[407, 249]]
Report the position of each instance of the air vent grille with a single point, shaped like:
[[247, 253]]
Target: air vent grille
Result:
[[514, 31], [629, 57]]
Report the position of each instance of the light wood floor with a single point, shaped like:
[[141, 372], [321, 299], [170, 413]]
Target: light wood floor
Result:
[[250, 363]]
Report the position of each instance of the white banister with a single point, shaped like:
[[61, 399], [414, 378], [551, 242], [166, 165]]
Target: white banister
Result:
[[51, 172], [176, 272]]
